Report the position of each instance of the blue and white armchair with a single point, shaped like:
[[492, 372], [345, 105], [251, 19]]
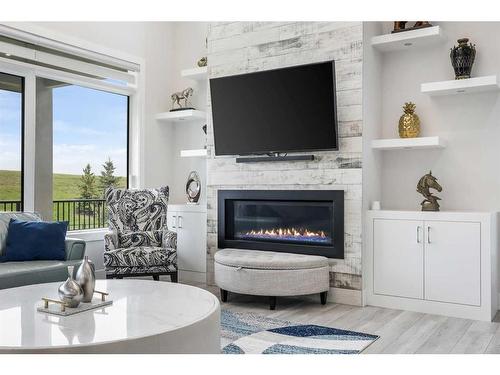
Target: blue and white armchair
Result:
[[139, 242]]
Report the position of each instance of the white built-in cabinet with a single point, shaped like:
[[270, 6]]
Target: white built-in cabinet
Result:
[[434, 262], [190, 224]]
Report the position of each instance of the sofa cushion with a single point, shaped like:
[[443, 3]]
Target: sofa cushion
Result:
[[5, 220], [257, 259], [14, 274], [142, 256], [35, 240]]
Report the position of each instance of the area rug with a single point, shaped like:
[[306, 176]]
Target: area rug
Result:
[[246, 333]]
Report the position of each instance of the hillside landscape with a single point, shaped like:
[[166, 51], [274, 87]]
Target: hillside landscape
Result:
[[65, 185]]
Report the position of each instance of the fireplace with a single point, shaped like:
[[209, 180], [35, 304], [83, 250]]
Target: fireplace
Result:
[[292, 221]]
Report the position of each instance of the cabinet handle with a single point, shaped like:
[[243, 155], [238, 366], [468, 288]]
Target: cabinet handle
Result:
[[174, 221], [179, 222], [428, 234], [418, 234]]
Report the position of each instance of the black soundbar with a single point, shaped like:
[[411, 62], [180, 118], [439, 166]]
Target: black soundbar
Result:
[[265, 159]]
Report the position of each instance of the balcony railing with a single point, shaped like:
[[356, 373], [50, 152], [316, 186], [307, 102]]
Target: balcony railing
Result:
[[80, 213], [10, 205]]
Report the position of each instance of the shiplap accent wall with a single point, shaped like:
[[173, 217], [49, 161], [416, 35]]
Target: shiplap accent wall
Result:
[[243, 47]]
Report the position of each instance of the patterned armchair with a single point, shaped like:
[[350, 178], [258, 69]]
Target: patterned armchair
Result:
[[139, 242]]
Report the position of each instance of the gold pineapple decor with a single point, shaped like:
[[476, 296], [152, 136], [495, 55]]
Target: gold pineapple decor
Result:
[[409, 123]]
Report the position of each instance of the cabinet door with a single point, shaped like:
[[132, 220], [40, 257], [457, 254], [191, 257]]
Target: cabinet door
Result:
[[453, 262], [172, 220], [191, 241], [398, 258]]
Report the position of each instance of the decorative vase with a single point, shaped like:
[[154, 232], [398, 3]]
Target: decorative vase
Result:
[[409, 123], [85, 277], [70, 291], [462, 58]]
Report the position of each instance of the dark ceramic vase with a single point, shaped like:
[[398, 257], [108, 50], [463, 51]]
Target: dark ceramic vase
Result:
[[462, 58]]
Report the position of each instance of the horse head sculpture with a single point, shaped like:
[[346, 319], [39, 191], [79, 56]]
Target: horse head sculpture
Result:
[[428, 181]]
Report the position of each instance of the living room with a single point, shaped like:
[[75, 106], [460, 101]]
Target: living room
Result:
[[293, 185]]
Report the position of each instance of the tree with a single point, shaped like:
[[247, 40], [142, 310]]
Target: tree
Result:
[[87, 184], [107, 178]]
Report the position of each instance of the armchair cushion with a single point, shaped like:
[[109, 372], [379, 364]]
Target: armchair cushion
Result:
[[142, 256], [135, 239]]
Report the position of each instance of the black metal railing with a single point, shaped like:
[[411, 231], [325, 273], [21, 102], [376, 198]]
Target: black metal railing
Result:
[[10, 206], [80, 213]]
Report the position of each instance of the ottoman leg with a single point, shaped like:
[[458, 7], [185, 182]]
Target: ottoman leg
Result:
[[223, 295], [272, 303], [323, 296]]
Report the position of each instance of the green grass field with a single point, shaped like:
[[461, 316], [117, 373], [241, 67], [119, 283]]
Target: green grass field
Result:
[[65, 185]]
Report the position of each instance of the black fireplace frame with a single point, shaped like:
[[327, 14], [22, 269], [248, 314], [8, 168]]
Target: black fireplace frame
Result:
[[335, 196]]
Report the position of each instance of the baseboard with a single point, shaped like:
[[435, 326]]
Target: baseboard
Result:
[[191, 276], [345, 296]]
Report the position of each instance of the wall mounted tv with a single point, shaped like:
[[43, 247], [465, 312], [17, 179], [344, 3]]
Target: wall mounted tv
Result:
[[275, 111]]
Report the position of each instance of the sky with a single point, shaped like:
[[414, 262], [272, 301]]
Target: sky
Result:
[[88, 127]]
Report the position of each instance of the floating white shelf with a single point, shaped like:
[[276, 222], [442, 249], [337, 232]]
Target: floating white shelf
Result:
[[408, 143], [197, 74], [202, 152], [179, 116], [408, 39], [461, 86]]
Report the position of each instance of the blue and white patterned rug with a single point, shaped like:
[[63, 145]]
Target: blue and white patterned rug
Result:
[[246, 333]]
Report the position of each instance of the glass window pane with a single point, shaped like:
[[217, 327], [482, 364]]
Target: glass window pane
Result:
[[11, 140], [89, 150]]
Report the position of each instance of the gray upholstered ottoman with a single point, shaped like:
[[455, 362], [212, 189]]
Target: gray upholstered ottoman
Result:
[[269, 273]]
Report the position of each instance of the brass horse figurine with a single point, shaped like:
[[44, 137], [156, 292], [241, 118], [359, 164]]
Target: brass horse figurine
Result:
[[430, 203]]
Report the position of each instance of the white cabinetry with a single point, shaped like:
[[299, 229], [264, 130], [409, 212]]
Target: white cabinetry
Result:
[[190, 223], [434, 262]]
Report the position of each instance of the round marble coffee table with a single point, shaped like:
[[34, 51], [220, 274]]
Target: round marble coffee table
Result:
[[145, 317]]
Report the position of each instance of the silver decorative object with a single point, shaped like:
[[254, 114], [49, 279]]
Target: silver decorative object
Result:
[[193, 187], [70, 291], [182, 99], [85, 276]]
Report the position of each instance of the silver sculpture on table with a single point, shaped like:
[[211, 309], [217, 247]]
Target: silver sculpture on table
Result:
[[85, 276], [70, 291]]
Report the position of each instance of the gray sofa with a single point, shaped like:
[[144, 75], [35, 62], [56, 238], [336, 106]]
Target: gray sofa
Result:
[[14, 274]]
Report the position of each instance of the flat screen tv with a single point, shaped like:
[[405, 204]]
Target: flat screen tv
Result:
[[275, 111]]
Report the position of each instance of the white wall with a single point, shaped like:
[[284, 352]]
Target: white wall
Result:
[[189, 47], [468, 168]]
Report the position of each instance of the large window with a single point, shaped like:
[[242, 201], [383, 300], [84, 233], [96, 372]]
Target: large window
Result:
[[69, 126], [11, 142], [89, 149]]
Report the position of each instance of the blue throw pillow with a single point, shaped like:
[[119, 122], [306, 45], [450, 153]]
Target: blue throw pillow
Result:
[[35, 240]]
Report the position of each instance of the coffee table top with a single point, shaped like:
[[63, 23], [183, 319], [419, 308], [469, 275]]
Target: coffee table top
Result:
[[140, 308]]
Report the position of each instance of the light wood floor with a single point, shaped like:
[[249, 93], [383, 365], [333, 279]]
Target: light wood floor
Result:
[[399, 331]]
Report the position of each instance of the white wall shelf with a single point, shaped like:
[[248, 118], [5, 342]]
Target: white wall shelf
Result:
[[408, 39], [196, 74], [182, 116], [461, 86], [408, 143], [196, 153]]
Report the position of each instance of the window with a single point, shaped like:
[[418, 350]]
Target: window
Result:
[[69, 126], [89, 149], [11, 142]]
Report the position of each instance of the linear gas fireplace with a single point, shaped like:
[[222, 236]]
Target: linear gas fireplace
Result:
[[292, 221]]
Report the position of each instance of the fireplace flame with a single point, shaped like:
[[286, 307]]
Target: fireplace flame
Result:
[[286, 232]]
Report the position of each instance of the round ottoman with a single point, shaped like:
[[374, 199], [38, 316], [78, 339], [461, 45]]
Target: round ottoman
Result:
[[269, 273]]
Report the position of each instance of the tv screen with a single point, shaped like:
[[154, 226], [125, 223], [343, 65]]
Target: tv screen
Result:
[[282, 110]]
